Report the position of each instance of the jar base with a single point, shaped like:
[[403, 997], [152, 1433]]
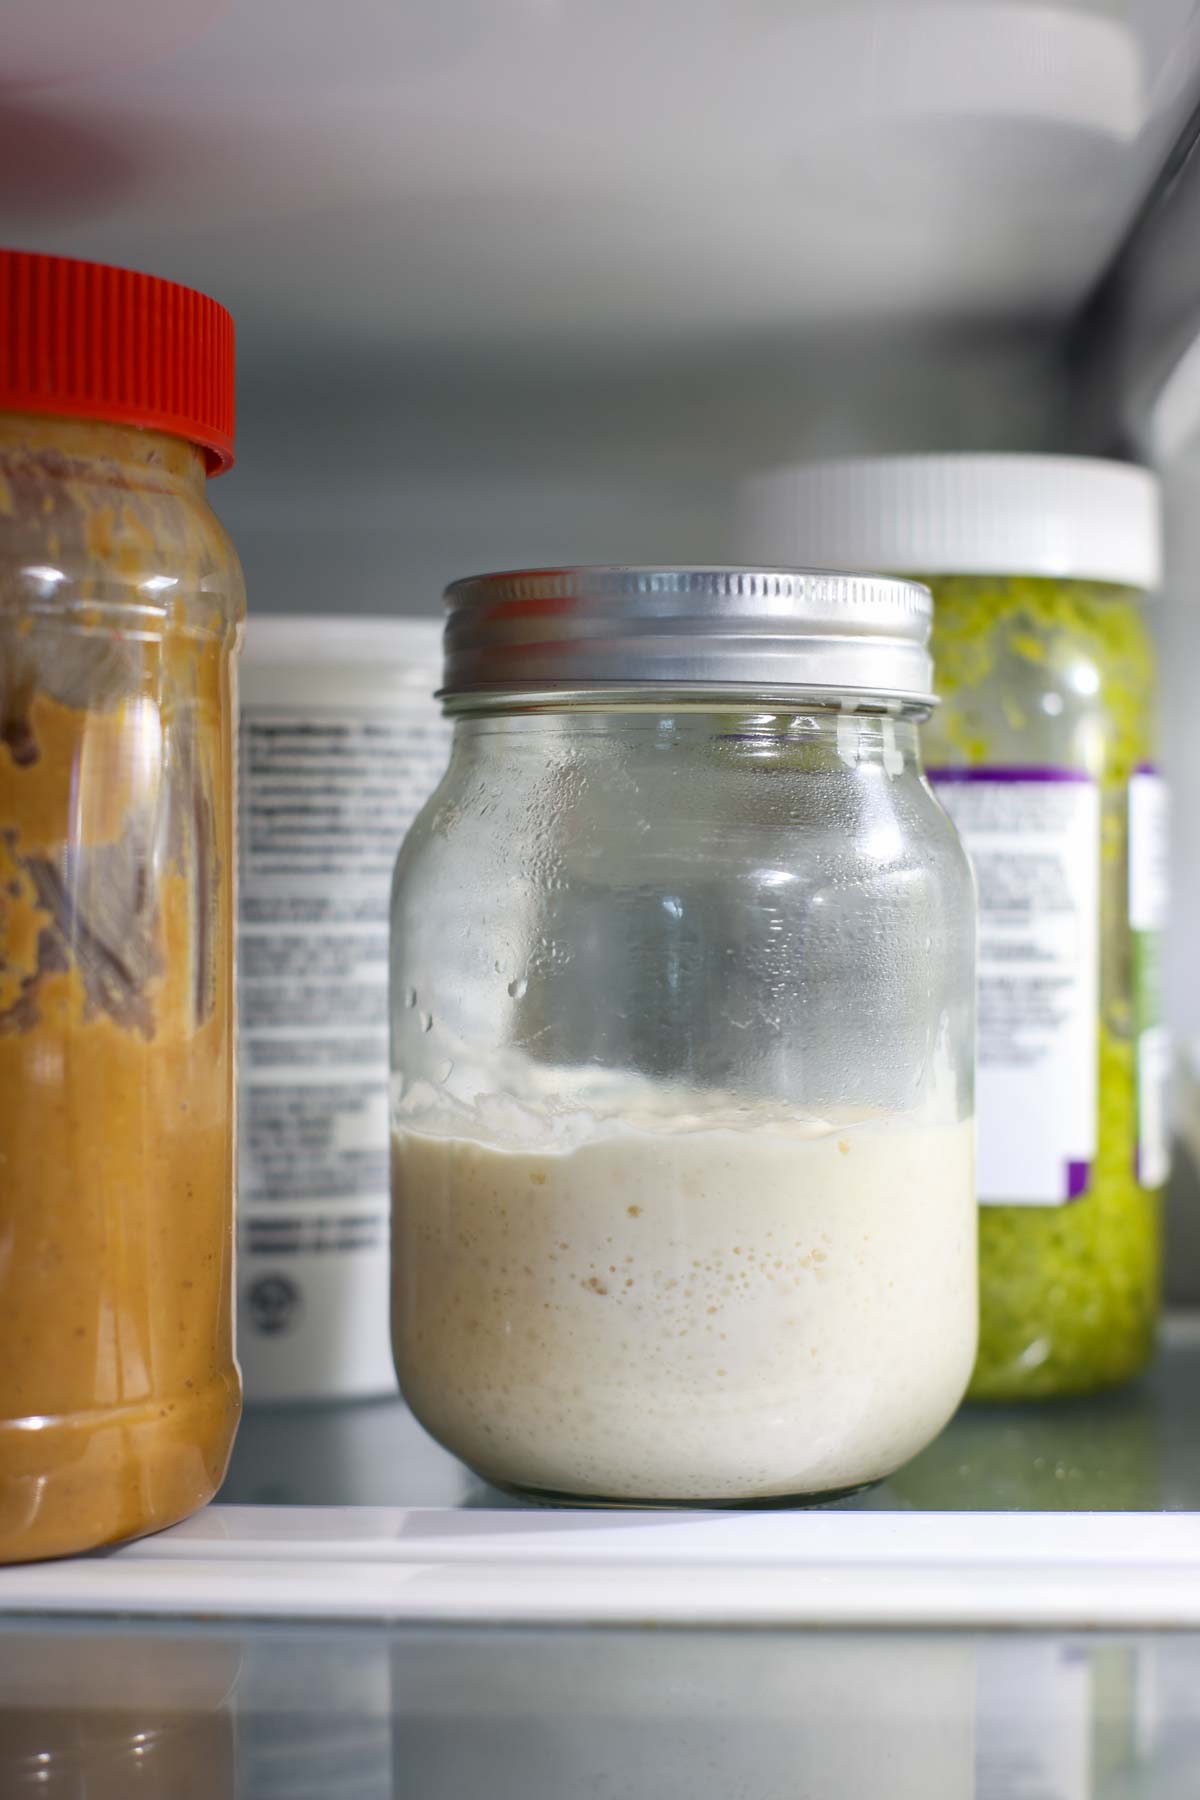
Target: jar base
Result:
[[551, 1499], [87, 1480]]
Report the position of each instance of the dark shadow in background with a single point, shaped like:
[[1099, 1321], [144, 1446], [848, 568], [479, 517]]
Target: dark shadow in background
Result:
[[53, 171]]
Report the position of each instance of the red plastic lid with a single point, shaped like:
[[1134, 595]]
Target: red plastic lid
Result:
[[89, 342]]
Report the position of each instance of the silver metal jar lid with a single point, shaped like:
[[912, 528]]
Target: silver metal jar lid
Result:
[[562, 632]]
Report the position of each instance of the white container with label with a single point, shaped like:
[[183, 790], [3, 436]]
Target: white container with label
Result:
[[1042, 751], [340, 744]]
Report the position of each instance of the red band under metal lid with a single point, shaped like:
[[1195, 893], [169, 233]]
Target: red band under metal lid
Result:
[[86, 341]]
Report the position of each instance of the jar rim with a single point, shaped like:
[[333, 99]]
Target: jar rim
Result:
[[682, 696]]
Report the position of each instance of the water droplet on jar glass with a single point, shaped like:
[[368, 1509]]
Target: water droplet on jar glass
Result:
[[518, 989]]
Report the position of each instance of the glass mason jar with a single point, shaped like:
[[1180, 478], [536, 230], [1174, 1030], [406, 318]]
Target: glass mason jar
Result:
[[682, 1023], [120, 609], [1043, 750]]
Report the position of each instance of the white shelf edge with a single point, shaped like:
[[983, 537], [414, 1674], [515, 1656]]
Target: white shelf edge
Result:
[[891, 1570]]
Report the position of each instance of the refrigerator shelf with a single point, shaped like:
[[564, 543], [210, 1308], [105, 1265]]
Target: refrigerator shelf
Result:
[[1073, 1516]]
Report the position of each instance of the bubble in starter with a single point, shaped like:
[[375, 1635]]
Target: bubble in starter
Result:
[[426, 1021], [410, 998], [518, 989]]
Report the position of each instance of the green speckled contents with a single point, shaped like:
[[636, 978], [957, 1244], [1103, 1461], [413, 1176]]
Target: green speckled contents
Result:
[[1069, 1294]]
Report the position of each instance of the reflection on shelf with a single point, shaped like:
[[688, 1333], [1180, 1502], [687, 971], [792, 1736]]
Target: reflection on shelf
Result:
[[270, 1714], [106, 1714]]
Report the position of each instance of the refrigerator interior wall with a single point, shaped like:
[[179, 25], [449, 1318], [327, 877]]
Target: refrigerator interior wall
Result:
[[371, 493], [1133, 360]]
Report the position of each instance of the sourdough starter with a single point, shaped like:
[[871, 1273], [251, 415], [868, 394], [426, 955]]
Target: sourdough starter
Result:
[[705, 1312]]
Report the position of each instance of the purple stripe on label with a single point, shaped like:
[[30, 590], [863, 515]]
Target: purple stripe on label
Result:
[[1079, 1175], [1008, 774], [1146, 769]]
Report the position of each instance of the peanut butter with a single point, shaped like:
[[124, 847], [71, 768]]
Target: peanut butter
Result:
[[120, 602]]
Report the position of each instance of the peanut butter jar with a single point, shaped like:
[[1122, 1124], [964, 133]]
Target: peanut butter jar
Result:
[[121, 608]]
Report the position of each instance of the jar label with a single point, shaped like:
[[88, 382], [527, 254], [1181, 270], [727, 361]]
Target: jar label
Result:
[[327, 794], [1148, 900], [1033, 835]]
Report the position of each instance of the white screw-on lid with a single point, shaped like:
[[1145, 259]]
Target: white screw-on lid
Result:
[[1067, 517]]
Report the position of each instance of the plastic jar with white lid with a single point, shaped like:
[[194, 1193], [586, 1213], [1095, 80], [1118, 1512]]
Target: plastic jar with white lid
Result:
[[682, 1017], [341, 742], [1043, 749]]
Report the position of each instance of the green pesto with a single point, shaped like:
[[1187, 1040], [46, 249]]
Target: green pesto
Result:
[[1069, 1295]]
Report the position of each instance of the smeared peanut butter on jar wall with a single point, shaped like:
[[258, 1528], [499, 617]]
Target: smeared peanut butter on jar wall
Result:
[[120, 611]]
